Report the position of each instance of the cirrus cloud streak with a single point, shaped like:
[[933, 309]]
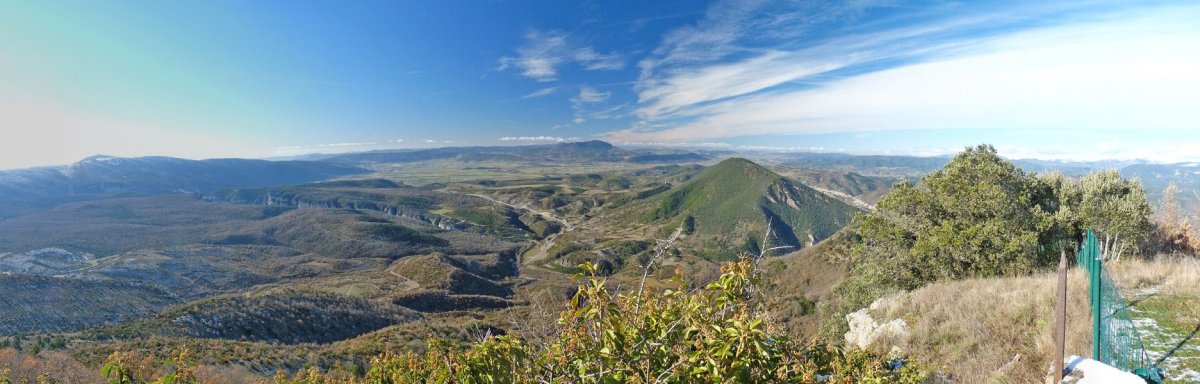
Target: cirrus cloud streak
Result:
[[1104, 73]]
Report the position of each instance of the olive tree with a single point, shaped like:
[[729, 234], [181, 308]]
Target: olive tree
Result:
[[1117, 209]]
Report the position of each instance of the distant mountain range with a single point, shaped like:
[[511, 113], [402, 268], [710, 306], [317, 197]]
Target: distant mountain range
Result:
[[588, 151], [27, 190], [910, 166], [1154, 177], [98, 177]]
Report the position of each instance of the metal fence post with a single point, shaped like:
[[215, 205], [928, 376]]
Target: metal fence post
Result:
[[1097, 305], [1060, 318]]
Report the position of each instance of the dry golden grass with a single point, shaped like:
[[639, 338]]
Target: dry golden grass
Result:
[[996, 330], [999, 330], [795, 283], [1166, 274]]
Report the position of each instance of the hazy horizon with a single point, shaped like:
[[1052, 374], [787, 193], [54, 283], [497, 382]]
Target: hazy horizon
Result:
[[734, 150]]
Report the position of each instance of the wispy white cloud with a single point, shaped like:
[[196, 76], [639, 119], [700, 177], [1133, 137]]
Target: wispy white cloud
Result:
[[677, 88], [691, 87], [543, 52], [673, 144], [591, 95], [539, 56], [1126, 71], [540, 92], [614, 112], [594, 61], [711, 38], [335, 145], [731, 28], [587, 95]]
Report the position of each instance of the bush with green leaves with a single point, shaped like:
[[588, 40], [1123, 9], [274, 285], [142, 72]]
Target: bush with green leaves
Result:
[[981, 216]]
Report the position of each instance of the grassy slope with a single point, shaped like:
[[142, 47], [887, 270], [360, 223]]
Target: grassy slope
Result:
[[1165, 300], [795, 283]]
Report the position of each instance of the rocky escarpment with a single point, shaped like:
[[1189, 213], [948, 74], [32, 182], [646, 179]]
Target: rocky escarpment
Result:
[[448, 211], [404, 203], [401, 211]]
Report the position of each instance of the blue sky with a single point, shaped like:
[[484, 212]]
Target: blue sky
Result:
[[200, 79]]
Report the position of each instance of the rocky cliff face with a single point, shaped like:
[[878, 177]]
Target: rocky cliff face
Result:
[[292, 199], [447, 211], [436, 220]]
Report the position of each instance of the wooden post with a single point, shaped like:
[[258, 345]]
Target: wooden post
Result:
[[1060, 319]]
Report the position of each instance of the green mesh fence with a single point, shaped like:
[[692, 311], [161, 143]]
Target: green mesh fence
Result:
[[1115, 339]]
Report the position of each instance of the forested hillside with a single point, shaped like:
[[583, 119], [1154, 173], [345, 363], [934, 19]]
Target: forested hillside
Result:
[[729, 206]]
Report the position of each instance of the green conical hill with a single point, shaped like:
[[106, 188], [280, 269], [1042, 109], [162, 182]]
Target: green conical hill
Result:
[[731, 203]]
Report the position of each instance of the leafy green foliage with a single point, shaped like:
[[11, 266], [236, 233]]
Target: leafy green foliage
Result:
[[978, 216], [981, 216], [128, 368], [1117, 209]]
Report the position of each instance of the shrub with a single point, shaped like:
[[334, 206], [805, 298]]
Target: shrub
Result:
[[981, 216]]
